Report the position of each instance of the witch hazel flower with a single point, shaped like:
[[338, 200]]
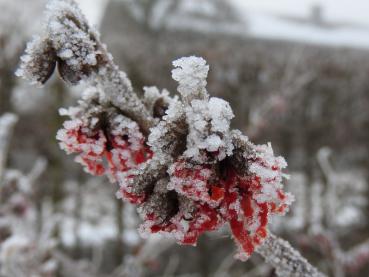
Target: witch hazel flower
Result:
[[105, 144], [201, 190], [76, 138], [240, 201], [187, 219], [197, 182], [204, 188], [251, 200], [177, 158]]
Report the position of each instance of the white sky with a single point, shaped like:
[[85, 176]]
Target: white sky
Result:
[[93, 9], [355, 11]]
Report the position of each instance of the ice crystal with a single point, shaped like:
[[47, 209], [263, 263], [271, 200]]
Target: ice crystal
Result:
[[209, 126], [191, 73]]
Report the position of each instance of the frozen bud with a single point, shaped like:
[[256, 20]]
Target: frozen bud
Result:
[[68, 74], [38, 62], [156, 102], [191, 73]]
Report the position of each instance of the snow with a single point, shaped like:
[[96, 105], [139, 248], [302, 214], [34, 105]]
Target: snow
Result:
[[209, 125], [191, 73], [263, 19], [355, 11], [271, 27], [65, 54], [268, 19], [221, 114]]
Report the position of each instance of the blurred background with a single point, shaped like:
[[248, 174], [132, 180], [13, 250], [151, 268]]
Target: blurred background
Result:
[[295, 73]]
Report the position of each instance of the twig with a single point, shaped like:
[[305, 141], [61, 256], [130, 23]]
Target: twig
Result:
[[7, 123], [286, 260]]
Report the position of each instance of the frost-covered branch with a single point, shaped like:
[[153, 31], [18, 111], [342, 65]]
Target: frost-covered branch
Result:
[[175, 158], [286, 260], [7, 123], [22, 253], [74, 47]]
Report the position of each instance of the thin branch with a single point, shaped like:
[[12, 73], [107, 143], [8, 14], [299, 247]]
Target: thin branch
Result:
[[7, 123], [285, 259]]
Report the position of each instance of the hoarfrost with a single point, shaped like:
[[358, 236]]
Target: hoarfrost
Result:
[[191, 73], [166, 153]]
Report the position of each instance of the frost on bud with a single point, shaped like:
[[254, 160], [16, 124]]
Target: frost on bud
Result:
[[69, 43], [191, 73], [73, 40], [209, 126], [38, 64], [156, 102]]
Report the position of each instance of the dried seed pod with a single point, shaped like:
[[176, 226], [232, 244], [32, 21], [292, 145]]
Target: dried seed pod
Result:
[[38, 64], [67, 73]]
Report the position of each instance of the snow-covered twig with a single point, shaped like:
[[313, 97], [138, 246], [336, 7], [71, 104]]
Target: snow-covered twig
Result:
[[37, 170], [21, 253], [286, 260], [7, 123], [69, 43]]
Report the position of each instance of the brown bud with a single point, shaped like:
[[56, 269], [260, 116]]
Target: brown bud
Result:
[[68, 74], [159, 108], [43, 63]]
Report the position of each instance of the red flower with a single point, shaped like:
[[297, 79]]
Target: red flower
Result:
[[102, 155], [244, 202]]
